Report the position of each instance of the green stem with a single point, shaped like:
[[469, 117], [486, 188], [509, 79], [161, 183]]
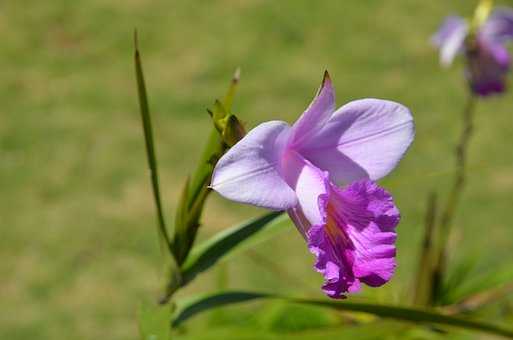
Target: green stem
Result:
[[423, 281], [196, 196], [461, 154]]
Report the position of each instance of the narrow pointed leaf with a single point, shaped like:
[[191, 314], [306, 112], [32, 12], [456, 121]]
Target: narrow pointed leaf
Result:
[[215, 147], [480, 283], [206, 302], [150, 147], [198, 190], [406, 314], [181, 209], [458, 279], [481, 299], [207, 254], [218, 114]]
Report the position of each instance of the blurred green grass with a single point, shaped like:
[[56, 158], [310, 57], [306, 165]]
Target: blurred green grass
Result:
[[78, 239]]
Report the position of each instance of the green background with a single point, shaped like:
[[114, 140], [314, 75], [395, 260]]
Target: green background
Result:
[[78, 242]]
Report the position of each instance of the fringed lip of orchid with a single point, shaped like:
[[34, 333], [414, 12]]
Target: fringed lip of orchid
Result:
[[321, 171], [487, 58]]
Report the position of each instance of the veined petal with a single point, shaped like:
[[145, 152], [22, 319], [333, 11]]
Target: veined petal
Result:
[[355, 243], [499, 26], [319, 111], [363, 139], [250, 171], [309, 184], [368, 215], [333, 261], [450, 38]]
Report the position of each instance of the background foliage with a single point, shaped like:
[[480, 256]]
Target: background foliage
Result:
[[78, 244]]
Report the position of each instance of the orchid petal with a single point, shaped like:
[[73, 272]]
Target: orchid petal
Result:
[[309, 183], [319, 111], [499, 26], [363, 139], [250, 171], [370, 218], [487, 68], [450, 38], [333, 262]]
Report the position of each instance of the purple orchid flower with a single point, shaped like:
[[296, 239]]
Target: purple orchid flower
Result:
[[350, 229], [488, 60]]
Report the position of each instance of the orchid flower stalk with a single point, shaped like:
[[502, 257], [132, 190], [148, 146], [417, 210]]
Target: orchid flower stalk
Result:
[[456, 190], [321, 171], [483, 44]]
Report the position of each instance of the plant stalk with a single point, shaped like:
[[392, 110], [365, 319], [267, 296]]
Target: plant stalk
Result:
[[458, 186]]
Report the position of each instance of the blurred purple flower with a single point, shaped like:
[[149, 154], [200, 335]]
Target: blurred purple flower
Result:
[[350, 230], [488, 60]]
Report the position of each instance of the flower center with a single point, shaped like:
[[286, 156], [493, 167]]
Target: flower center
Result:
[[333, 229]]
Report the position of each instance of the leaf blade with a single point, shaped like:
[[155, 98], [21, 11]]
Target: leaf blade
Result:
[[206, 302], [400, 313], [149, 144], [481, 283], [210, 252]]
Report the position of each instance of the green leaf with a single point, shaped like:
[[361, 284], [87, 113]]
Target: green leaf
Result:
[[150, 147], [221, 137], [213, 150], [214, 147], [457, 279], [280, 225], [154, 322], [218, 114], [371, 331], [281, 317], [415, 315], [481, 299], [205, 302], [208, 253], [480, 284]]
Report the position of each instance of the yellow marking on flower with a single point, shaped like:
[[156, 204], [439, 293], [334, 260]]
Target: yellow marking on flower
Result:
[[335, 233], [481, 14]]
